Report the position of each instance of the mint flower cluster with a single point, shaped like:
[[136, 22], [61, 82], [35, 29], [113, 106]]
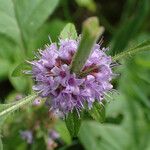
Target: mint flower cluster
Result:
[[64, 90]]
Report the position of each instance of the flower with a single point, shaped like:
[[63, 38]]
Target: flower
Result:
[[64, 90]]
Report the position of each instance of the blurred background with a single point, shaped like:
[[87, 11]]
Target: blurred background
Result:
[[25, 26]]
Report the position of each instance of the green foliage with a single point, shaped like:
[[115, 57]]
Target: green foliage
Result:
[[133, 102], [63, 131], [20, 69], [103, 136], [69, 31], [130, 25], [9, 26], [20, 20], [4, 67], [32, 14], [73, 123]]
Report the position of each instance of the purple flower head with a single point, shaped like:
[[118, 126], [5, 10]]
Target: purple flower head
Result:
[[27, 136], [63, 90]]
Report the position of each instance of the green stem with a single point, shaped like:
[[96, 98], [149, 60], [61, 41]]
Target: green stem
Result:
[[130, 52], [20, 103]]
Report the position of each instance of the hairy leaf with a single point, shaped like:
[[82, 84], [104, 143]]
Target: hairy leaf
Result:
[[21, 69]]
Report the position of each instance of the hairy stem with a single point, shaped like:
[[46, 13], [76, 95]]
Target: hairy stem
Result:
[[17, 105], [130, 52]]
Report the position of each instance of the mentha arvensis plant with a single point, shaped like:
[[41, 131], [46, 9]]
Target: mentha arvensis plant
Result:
[[65, 90], [73, 75]]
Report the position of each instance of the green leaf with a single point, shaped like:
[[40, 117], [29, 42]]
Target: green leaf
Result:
[[19, 20], [30, 17], [145, 46], [97, 112], [4, 68], [73, 123], [89, 37], [25, 83], [32, 14], [20, 69], [17, 76], [96, 136], [6, 109], [60, 127], [69, 31], [7, 47], [8, 23]]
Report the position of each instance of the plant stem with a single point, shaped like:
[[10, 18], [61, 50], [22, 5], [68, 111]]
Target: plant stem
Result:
[[18, 105], [130, 52]]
